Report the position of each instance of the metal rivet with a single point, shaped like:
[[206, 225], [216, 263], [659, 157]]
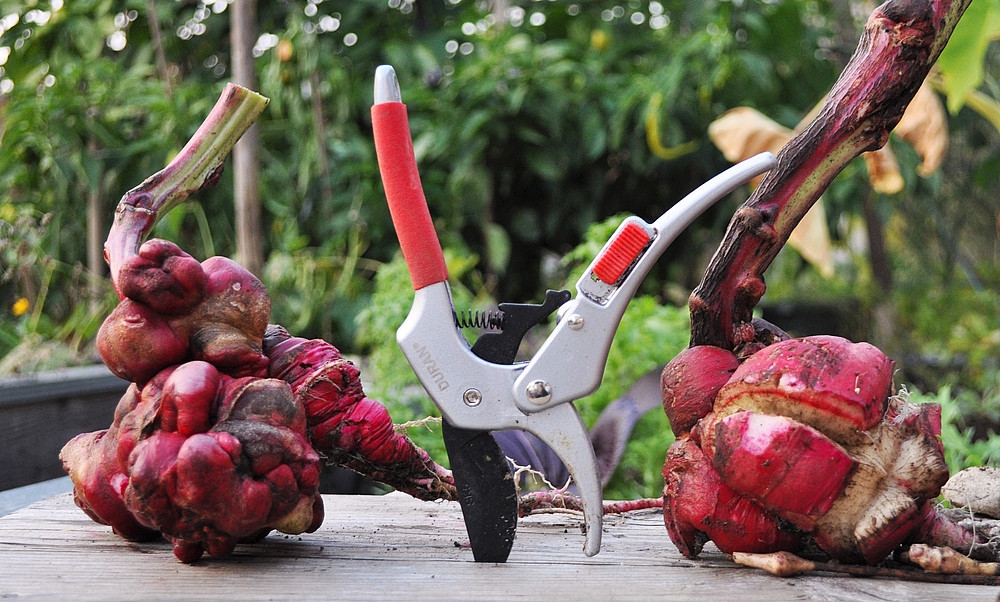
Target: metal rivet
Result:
[[575, 321], [473, 398], [539, 392]]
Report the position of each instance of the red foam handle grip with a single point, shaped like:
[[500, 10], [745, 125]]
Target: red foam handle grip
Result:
[[407, 204]]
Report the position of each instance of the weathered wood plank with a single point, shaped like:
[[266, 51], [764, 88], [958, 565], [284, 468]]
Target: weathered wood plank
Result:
[[397, 548]]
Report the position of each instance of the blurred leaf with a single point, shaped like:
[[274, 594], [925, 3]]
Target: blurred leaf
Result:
[[925, 126], [961, 61], [883, 171], [498, 244]]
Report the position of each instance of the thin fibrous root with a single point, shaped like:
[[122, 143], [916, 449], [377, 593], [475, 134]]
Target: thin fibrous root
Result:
[[946, 561], [786, 564], [561, 501], [422, 423]]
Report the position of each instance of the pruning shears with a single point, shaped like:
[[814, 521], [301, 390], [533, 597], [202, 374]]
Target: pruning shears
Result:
[[480, 388]]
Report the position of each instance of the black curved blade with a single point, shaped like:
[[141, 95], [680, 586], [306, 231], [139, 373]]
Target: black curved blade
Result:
[[486, 491]]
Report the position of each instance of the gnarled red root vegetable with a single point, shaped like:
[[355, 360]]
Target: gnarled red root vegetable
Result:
[[205, 447], [205, 459], [804, 443], [803, 439], [352, 430], [175, 309]]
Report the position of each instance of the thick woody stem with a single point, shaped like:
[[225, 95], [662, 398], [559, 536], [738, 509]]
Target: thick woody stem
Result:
[[197, 166], [900, 43]]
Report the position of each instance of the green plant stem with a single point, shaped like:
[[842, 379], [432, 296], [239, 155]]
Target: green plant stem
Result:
[[198, 165], [43, 293], [900, 43]]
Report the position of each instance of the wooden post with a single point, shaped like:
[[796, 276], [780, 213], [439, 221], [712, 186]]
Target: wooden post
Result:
[[246, 179], [95, 235]]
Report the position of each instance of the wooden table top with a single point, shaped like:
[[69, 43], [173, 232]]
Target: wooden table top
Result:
[[395, 547]]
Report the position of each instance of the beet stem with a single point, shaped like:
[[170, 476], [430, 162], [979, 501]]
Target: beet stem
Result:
[[900, 43], [197, 166]]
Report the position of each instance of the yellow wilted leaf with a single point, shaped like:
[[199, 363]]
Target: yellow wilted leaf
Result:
[[925, 126], [883, 171], [653, 140], [743, 132]]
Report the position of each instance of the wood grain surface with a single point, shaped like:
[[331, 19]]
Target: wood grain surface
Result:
[[394, 547]]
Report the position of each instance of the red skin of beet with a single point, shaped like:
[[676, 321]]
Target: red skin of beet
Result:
[[92, 461], [698, 506], [827, 382], [691, 381], [175, 309], [805, 430], [768, 458], [204, 459], [350, 429]]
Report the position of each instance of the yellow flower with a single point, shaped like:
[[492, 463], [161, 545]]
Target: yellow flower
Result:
[[599, 40], [20, 307]]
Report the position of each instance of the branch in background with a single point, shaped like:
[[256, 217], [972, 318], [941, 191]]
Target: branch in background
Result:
[[900, 44], [161, 56], [319, 125], [95, 231], [246, 164]]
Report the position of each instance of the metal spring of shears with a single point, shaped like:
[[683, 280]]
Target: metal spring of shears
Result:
[[485, 320]]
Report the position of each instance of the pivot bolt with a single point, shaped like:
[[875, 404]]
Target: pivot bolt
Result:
[[539, 392]]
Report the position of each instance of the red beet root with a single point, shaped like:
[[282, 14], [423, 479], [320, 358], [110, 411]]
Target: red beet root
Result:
[[347, 427], [849, 466], [176, 309], [204, 459], [691, 381], [806, 427]]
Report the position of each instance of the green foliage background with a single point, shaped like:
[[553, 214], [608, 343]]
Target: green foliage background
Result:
[[533, 127]]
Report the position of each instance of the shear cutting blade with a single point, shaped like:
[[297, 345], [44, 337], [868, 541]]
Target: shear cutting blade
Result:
[[486, 491]]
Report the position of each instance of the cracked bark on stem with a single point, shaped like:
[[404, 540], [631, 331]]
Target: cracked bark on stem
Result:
[[197, 166], [900, 43]]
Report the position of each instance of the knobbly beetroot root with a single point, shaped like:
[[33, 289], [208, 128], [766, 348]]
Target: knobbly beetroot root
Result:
[[805, 432], [173, 308], [205, 459], [698, 506], [206, 448], [691, 381], [805, 428], [176, 309], [352, 430]]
